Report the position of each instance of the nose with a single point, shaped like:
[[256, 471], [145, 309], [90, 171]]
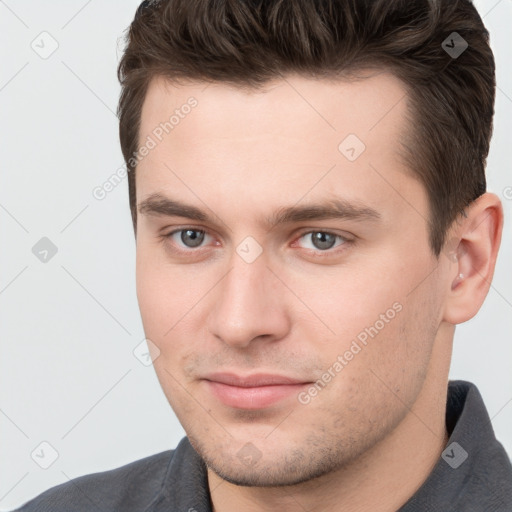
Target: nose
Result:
[[250, 304]]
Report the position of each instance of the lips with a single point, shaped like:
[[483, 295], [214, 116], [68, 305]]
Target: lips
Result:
[[256, 380], [255, 391]]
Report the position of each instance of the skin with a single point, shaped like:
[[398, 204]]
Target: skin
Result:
[[371, 436]]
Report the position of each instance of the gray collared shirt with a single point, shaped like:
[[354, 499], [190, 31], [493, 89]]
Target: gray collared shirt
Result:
[[473, 474]]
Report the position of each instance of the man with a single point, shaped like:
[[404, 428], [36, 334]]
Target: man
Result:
[[308, 195]]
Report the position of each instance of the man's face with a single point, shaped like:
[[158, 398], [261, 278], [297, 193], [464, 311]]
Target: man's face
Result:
[[352, 303]]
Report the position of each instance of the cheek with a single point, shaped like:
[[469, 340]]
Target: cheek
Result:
[[166, 293], [382, 323], [172, 301], [353, 300]]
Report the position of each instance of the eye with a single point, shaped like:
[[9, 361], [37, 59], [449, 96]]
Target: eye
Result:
[[187, 238], [322, 240]]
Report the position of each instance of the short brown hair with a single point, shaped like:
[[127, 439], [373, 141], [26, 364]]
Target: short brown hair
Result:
[[249, 42]]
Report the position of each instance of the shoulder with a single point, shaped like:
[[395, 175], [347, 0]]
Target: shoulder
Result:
[[129, 487]]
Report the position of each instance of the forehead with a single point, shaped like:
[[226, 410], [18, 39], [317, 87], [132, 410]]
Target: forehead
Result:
[[355, 104], [282, 140]]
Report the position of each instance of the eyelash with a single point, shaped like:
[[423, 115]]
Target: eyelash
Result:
[[316, 252]]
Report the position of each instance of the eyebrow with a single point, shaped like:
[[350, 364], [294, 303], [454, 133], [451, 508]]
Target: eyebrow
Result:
[[159, 205]]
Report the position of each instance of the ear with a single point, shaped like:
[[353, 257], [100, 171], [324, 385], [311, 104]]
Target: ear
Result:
[[475, 242]]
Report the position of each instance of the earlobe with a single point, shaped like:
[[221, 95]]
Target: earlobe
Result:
[[478, 239]]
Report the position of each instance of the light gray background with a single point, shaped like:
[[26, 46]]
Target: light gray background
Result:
[[69, 326]]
